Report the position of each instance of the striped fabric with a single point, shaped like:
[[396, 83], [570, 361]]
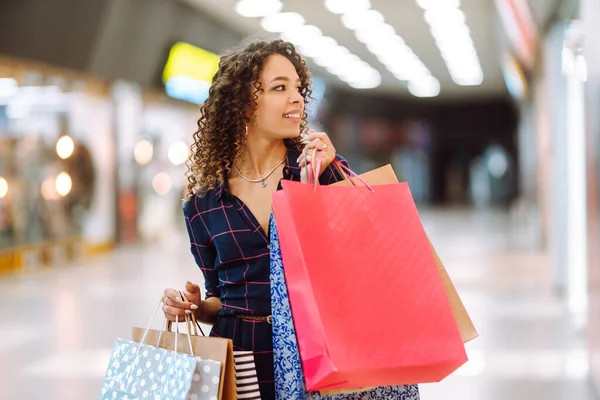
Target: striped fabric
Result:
[[245, 376]]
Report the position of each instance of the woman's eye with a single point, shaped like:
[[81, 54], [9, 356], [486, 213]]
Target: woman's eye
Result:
[[299, 88], [280, 87]]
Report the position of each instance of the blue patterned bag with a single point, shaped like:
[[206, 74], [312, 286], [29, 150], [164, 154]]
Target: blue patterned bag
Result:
[[140, 371], [289, 378]]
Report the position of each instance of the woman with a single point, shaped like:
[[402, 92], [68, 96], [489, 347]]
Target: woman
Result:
[[250, 135]]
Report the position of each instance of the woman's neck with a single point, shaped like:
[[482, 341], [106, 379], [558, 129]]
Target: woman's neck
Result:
[[261, 156]]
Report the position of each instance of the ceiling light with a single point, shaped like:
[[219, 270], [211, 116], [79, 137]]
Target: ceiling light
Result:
[[445, 17], [454, 42], [363, 85], [387, 45], [332, 57], [375, 34], [258, 8], [474, 80], [343, 66], [280, 22], [368, 81], [428, 87], [438, 4], [401, 58], [347, 6], [365, 19], [458, 69], [410, 72], [316, 48], [439, 30], [355, 71], [369, 74], [457, 51], [380, 38], [301, 34], [371, 79], [448, 26]]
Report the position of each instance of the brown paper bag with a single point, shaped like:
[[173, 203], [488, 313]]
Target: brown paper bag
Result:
[[212, 348], [385, 175]]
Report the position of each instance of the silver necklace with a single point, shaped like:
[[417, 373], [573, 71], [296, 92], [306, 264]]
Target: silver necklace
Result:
[[263, 179]]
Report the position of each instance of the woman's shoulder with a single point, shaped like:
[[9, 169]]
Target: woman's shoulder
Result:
[[199, 201]]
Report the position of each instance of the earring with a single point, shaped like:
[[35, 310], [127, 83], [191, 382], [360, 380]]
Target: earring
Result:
[[246, 131]]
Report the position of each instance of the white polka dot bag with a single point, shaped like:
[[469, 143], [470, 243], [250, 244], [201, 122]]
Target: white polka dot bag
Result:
[[205, 381], [138, 371]]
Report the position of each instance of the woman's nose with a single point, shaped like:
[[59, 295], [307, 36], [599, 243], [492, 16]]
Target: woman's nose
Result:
[[296, 97]]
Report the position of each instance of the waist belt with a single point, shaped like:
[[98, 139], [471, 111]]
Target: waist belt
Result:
[[268, 319]]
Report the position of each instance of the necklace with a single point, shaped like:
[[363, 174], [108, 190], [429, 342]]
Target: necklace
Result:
[[263, 179]]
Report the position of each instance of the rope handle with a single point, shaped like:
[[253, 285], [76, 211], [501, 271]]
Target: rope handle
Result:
[[191, 321], [315, 171]]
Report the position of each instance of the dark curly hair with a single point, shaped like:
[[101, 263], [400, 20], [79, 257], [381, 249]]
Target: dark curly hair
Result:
[[232, 97]]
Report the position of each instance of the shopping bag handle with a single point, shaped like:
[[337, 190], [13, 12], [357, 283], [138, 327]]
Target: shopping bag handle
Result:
[[348, 173], [137, 353], [315, 171], [193, 324], [315, 168], [161, 332]]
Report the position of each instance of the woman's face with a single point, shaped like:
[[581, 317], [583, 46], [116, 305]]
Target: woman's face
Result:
[[280, 105]]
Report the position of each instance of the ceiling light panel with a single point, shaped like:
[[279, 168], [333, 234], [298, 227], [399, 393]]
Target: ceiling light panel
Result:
[[324, 50], [381, 39], [427, 86], [311, 42], [280, 22], [448, 26], [337, 59], [258, 8], [347, 6]]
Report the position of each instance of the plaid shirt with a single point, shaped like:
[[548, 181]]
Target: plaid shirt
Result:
[[232, 249]]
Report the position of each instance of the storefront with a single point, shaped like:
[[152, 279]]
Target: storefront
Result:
[[86, 164], [56, 168]]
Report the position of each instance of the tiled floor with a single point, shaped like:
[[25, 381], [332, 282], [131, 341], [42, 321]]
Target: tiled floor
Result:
[[58, 326]]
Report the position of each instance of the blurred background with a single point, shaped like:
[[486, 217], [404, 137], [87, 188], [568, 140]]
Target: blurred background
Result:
[[489, 109]]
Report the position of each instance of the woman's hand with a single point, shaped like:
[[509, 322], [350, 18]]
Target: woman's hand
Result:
[[321, 142], [174, 306]]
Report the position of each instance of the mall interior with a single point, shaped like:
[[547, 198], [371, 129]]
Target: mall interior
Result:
[[488, 109]]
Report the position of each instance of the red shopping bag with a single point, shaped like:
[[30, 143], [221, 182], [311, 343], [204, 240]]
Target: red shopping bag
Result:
[[368, 302]]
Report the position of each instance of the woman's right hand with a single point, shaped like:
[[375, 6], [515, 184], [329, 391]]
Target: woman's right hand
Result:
[[175, 307]]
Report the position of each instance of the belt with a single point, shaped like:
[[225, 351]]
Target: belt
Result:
[[268, 319]]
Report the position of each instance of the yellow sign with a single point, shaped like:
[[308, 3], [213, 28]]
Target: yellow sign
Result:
[[190, 61]]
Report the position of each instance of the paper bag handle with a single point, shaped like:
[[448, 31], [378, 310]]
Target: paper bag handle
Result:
[[161, 332], [190, 319], [315, 171]]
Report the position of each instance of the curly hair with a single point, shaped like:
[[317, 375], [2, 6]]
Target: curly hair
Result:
[[230, 106]]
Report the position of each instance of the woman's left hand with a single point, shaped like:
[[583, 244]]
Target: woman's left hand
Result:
[[321, 142]]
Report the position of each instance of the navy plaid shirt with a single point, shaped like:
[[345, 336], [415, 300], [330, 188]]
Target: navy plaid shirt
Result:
[[232, 249]]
